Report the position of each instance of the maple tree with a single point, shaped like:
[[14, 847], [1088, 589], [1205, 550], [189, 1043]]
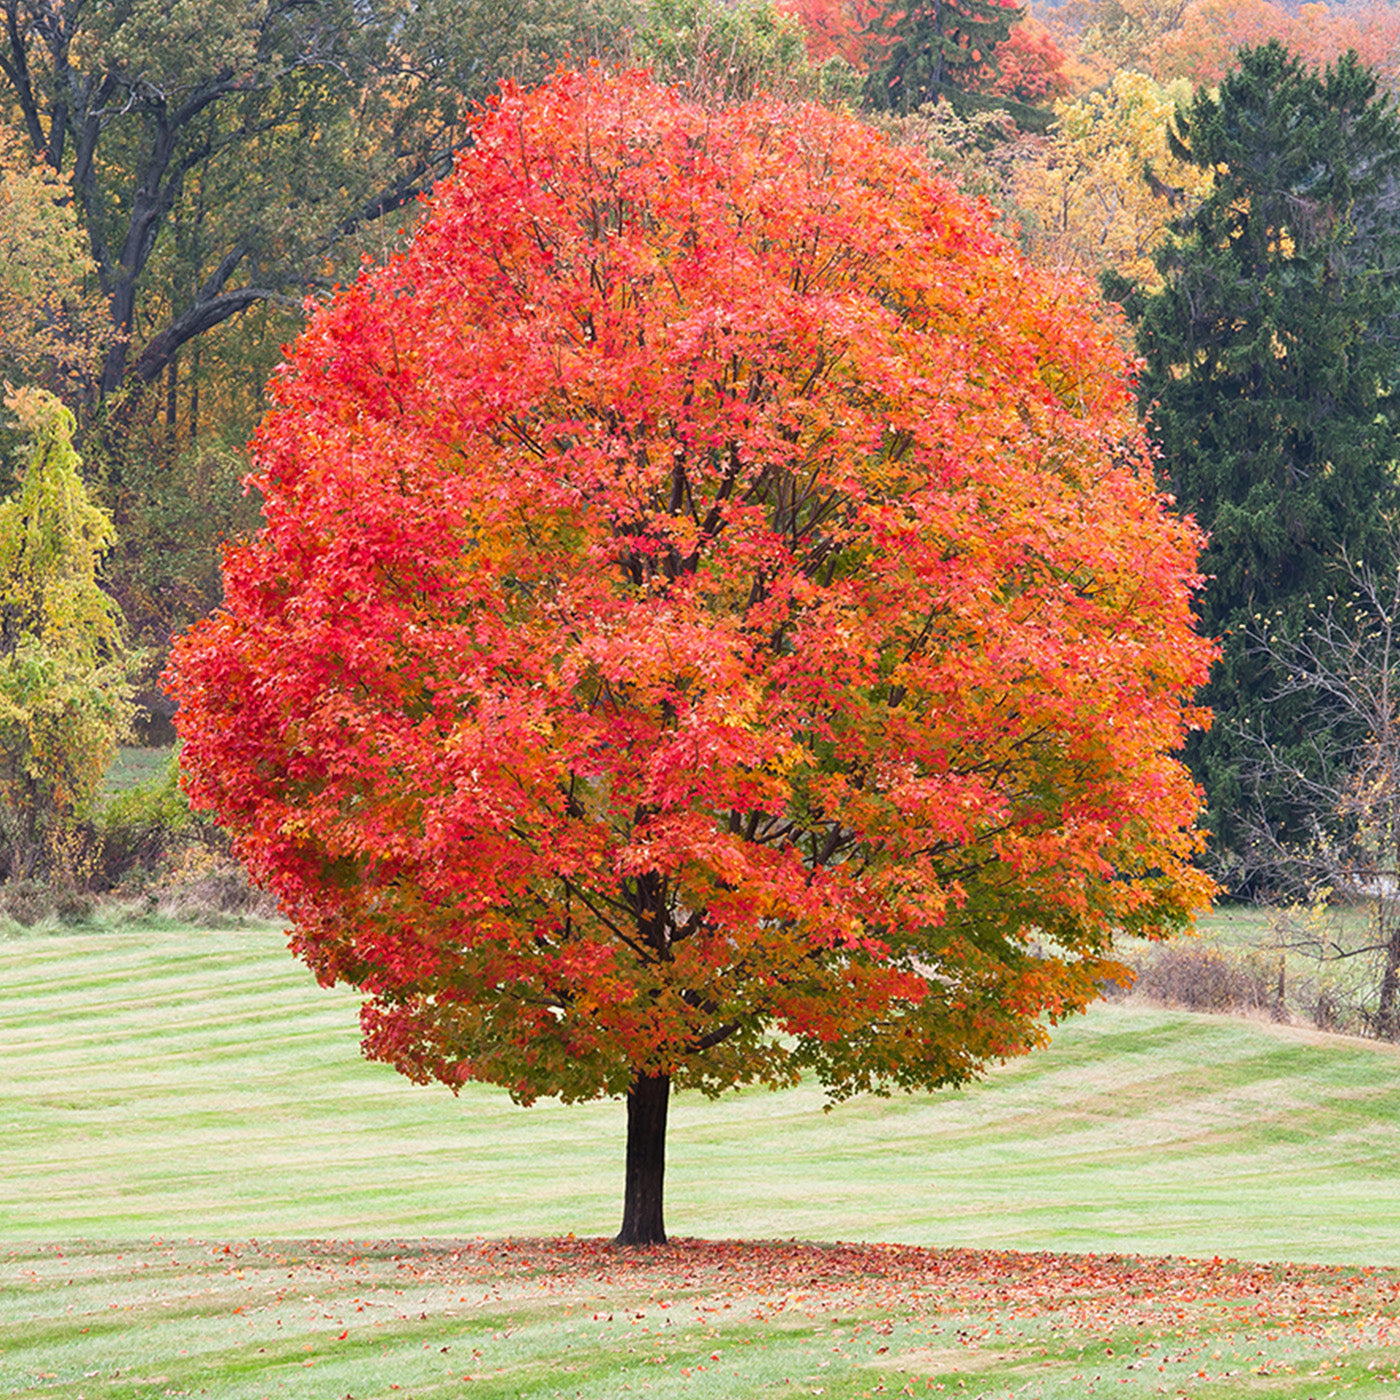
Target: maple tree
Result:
[[714, 622], [839, 29], [1030, 64]]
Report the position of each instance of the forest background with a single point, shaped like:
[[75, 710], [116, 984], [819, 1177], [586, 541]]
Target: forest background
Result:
[[177, 180]]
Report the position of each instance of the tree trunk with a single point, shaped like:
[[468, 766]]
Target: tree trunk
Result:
[[647, 1102], [1388, 1010]]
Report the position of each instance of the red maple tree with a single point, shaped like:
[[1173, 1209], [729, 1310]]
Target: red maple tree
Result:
[[714, 623], [1030, 65]]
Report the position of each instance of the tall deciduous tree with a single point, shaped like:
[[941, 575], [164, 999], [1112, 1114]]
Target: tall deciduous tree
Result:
[[1101, 189], [223, 159], [715, 622], [1270, 366], [1114, 35], [1211, 34], [51, 326], [282, 126], [64, 699], [1346, 663], [719, 51]]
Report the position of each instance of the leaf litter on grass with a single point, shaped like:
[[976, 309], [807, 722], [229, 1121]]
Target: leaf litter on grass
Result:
[[578, 1318]]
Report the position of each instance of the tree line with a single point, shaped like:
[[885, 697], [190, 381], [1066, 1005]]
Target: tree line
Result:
[[176, 182]]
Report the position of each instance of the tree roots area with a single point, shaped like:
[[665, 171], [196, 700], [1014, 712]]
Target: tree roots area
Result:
[[582, 1318]]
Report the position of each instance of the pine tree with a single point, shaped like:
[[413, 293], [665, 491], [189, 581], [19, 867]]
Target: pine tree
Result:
[[1269, 380], [937, 48]]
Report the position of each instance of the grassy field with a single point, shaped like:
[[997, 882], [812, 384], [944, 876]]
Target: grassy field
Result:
[[172, 1094], [382, 1320], [134, 767], [193, 1082]]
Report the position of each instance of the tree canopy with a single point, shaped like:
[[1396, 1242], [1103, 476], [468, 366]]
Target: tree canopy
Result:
[[268, 132], [51, 326], [715, 621], [936, 48]]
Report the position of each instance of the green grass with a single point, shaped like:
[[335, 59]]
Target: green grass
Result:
[[199, 1084], [1315, 951], [184, 1115], [308, 1320], [133, 767], [1240, 927]]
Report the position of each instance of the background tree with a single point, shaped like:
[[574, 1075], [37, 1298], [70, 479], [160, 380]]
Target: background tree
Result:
[[64, 701], [51, 326], [1029, 64], [1199, 41], [308, 119], [1031, 67], [1099, 192], [1270, 365], [1346, 665], [936, 48], [976, 151], [720, 51], [1212, 33], [1110, 36], [225, 158], [715, 622], [839, 28]]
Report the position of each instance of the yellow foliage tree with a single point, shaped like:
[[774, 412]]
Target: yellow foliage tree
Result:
[[64, 696], [53, 325], [1098, 191], [1117, 35]]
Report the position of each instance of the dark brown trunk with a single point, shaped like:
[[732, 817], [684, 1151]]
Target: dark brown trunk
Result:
[[194, 392], [172, 408], [1388, 1010], [647, 1102]]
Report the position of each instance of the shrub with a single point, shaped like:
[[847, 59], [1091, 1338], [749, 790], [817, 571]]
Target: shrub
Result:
[[145, 827], [1198, 977], [205, 886]]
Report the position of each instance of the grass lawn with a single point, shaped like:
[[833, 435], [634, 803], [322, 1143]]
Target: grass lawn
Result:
[[171, 1095], [712, 1321], [134, 767]]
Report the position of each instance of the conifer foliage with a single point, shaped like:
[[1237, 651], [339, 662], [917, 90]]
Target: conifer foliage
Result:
[[936, 48], [1269, 378], [714, 622]]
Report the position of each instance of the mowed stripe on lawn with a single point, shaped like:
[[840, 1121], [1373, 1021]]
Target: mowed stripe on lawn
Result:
[[198, 1083]]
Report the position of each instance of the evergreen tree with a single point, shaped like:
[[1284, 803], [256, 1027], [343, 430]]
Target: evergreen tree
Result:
[[937, 48], [1269, 382]]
